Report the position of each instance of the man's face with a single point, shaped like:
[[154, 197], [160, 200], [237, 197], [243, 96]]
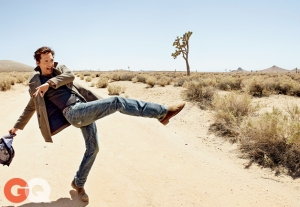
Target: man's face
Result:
[[46, 64]]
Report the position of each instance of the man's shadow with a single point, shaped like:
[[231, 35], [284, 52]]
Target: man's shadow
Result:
[[61, 202]]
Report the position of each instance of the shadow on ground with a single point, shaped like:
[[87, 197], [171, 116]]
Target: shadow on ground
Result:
[[61, 202]]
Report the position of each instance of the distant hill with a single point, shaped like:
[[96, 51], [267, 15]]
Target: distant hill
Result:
[[274, 69], [240, 70], [9, 66]]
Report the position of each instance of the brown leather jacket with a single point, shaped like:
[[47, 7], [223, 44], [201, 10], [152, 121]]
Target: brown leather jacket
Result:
[[63, 77]]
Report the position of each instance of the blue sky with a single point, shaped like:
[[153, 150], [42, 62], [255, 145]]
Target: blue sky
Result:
[[108, 35]]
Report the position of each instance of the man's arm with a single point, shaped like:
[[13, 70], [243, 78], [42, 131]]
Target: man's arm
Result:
[[64, 78]]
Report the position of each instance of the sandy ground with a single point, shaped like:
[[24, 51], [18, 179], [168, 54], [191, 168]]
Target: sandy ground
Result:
[[141, 162]]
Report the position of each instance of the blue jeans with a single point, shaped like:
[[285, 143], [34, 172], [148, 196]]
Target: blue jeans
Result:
[[84, 115]]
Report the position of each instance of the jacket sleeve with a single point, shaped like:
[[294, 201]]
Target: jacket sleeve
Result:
[[64, 78], [27, 114]]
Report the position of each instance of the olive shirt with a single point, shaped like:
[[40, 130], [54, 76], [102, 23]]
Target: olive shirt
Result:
[[54, 116]]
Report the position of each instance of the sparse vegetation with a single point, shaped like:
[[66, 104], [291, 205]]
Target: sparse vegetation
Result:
[[151, 80], [199, 92], [114, 89], [163, 81], [11, 78], [88, 79], [230, 110], [270, 139], [102, 82]]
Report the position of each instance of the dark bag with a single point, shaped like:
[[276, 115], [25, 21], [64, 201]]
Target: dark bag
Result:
[[7, 151]]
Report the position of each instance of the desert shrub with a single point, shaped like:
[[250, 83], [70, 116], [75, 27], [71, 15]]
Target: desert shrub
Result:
[[126, 76], [230, 110], [199, 92], [230, 83], [20, 78], [210, 81], [92, 85], [295, 90], [151, 80], [232, 107], [5, 84], [256, 87], [102, 82], [286, 86], [88, 79], [163, 81], [269, 84], [114, 90], [134, 79], [179, 81], [271, 140], [81, 77], [94, 76], [115, 77], [11, 80], [141, 78]]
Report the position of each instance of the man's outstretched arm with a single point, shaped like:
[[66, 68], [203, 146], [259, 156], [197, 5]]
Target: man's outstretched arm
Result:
[[66, 76]]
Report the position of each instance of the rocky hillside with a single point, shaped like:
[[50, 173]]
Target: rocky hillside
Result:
[[9, 66]]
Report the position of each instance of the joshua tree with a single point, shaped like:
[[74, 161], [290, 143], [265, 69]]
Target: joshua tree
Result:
[[182, 47]]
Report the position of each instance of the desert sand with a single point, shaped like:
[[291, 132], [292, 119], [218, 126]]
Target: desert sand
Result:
[[141, 162]]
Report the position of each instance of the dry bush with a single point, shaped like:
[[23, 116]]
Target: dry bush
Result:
[[115, 77], [102, 82], [20, 78], [256, 86], [151, 80], [94, 76], [199, 92], [92, 85], [230, 83], [179, 81], [11, 79], [5, 83], [230, 110], [81, 77], [287, 86], [295, 90], [142, 78], [88, 79], [232, 107], [271, 140], [126, 76], [86, 74], [134, 79], [114, 90], [163, 81]]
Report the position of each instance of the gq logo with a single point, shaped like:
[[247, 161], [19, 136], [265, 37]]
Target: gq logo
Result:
[[25, 190]]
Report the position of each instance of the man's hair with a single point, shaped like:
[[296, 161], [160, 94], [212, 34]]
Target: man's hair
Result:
[[42, 50]]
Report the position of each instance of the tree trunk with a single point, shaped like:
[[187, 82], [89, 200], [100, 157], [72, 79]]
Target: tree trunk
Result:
[[187, 67]]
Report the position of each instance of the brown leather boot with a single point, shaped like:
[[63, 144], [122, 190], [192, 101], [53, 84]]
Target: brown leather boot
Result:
[[81, 192], [172, 111]]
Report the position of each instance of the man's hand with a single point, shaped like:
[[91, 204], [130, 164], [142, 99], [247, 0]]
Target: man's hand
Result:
[[13, 130], [42, 89]]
